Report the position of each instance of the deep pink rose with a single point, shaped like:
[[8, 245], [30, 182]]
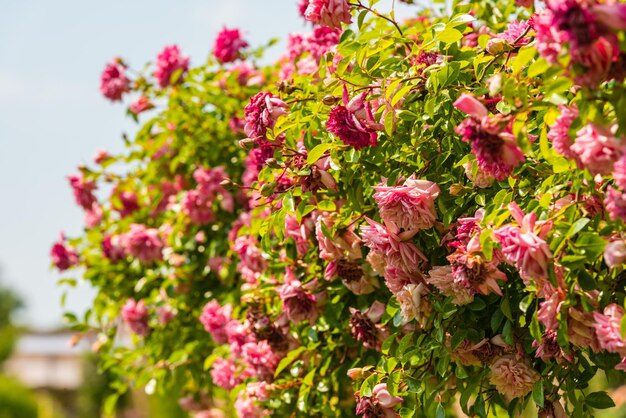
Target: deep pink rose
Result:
[[135, 314], [168, 63], [228, 45], [114, 83], [63, 256]]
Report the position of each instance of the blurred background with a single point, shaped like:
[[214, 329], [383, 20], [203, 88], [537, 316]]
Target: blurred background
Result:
[[53, 118]]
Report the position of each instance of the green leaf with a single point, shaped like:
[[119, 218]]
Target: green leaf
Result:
[[316, 153], [441, 413], [368, 384], [538, 393], [449, 36], [327, 205], [524, 56], [599, 400], [577, 227], [290, 357]]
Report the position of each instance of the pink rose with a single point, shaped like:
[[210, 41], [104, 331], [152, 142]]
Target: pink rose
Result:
[[468, 104], [410, 207], [168, 63], [63, 256], [113, 82], [135, 314], [331, 13], [228, 45], [597, 148]]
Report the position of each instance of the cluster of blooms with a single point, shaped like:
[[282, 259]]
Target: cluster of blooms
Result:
[[419, 215]]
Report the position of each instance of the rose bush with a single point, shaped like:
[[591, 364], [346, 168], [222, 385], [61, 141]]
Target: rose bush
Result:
[[395, 219]]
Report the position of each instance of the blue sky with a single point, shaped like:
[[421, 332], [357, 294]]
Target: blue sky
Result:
[[52, 116]]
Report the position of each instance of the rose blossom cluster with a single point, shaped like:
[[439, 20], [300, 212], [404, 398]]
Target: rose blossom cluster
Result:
[[136, 316], [585, 29], [304, 51], [113, 82], [261, 114], [524, 245], [493, 145], [228, 45], [330, 13], [298, 304], [170, 62], [252, 357], [469, 272], [197, 204], [354, 122]]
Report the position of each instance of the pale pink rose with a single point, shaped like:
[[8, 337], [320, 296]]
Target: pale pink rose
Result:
[[413, 302], [223, 373], [330, 13], [380, 404], [481, 178], [258, 390], [559, 131], [549, 310], [607, 326], [63, 256], [472, 271], [143, 243], [215, 318], [299, 232], [252, 262], [377, 261], [441, 277], [135, 314], [468, 104], [335, 246], [410, 207], [523, 247], [619, 173], [615, 203], [246, 408], [615, 253], [402, 254], [238, 333], [512, 377], [384, 398], [597, 149], [396, 278], [580, 329]]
